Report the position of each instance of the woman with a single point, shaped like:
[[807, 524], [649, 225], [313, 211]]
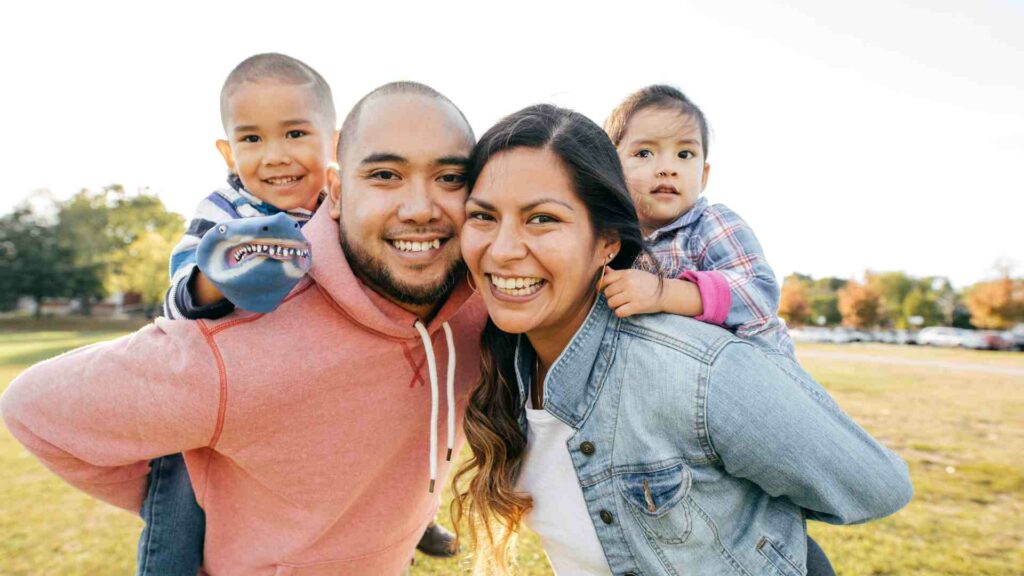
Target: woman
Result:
[[648, 445]]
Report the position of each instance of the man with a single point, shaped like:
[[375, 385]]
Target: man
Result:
[[310, 432]]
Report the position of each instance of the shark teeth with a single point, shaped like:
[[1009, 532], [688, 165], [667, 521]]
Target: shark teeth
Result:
[[516, 285], [407, 246], [273, 250]]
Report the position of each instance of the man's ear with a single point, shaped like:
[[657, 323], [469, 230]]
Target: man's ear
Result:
[[334, 190], [224, 147]]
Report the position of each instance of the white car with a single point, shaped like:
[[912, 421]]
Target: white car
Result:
[[939, 336]]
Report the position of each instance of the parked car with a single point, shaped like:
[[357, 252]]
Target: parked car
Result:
[[884, 336], [982, 340], [842, 335], [905, 337], [939, 336], [810, 334], [1015, 337]]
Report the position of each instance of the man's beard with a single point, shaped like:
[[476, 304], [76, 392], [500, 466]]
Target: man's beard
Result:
[[376, 273]]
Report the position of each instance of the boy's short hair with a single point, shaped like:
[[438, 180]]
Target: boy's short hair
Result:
[[273, 66], [348, 126]]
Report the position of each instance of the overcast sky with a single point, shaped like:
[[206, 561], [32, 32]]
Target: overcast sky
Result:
[[883, 135]]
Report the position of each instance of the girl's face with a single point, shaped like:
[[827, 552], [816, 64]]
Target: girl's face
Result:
[[530, 246], [662, 156]]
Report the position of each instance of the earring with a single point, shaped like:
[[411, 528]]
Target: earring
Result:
[[469, 280]]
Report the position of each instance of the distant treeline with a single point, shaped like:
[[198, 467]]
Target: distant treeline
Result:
[[87, 247], [898, 300]]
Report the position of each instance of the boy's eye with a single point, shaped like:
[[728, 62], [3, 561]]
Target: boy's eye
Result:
[[686, 154], [296, 133], [644, 154], [542, 219], [251, 139]]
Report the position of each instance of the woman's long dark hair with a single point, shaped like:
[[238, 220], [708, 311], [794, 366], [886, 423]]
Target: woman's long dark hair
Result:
[[489, 500]]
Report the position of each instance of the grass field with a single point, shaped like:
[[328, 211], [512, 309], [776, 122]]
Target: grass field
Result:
[[961, 429]]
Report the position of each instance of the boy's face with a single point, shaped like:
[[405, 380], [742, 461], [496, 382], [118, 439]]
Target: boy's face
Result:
[[662, 157], [402, 192], [278, 143]]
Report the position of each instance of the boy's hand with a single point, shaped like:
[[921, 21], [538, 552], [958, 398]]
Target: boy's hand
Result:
[[632, 292], [255, 262]]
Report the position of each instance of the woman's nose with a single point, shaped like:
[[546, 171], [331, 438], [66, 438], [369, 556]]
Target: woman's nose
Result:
[[507, 244]]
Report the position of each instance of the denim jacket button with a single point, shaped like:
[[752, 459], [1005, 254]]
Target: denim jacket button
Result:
[[588, 448], [606, 517]]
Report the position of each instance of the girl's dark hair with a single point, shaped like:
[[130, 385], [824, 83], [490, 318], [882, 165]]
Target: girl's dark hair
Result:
[[489, 500], [654, 96]]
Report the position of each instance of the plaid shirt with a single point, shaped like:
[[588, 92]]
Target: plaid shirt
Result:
[[714, 238]]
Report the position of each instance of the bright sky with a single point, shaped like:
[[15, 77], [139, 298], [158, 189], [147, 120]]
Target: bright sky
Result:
[[875, 134]]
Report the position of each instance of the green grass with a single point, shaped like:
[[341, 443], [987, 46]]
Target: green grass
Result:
[[962, 433]]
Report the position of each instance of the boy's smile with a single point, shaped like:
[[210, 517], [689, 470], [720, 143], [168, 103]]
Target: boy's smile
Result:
[[279, 144]]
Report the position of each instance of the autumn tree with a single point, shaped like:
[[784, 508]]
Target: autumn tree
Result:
[[996, 304], [793, 304], [860, 305], [144, 269]]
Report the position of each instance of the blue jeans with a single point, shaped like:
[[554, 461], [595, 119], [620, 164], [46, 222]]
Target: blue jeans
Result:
[[172, 541], [817, 561]]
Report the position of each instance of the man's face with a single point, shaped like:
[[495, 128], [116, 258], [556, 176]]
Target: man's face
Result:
[[401, 200]]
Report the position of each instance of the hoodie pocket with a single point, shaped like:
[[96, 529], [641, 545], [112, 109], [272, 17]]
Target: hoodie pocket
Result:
[[655, 499]]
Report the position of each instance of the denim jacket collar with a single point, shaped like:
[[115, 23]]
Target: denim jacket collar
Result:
[[568, 391]]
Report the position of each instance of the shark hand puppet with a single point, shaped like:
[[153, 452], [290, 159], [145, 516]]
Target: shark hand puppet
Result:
[[255, 262]]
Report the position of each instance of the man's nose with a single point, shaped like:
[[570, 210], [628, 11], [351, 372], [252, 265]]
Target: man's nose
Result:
[[418, 206]]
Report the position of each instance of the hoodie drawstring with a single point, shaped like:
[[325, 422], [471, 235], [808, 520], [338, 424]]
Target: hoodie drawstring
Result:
[[428, 347]]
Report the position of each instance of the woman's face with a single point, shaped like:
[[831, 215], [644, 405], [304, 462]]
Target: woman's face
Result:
[[529, 244]]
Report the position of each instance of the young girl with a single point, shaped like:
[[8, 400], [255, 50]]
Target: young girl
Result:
[[713, 267]]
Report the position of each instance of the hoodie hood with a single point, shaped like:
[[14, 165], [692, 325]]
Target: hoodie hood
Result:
[[335, 279]]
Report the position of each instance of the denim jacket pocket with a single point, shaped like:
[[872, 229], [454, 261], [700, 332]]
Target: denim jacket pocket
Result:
[[778, 558], [655, 499]]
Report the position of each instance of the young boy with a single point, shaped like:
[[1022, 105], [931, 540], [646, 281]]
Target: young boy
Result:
[[279, 121]]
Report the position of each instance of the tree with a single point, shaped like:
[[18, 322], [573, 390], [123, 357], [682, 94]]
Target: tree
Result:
[[793, 304], [997, 304], [860, 305], [922, 304], [144, 270], [33, 263]]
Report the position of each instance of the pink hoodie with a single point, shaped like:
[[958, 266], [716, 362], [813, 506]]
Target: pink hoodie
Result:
[[306, 431]]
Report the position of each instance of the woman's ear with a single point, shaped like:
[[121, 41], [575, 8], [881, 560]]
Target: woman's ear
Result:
[[334, 189], [608, 247]]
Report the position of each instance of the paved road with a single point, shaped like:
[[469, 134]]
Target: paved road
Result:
[[941, 364]]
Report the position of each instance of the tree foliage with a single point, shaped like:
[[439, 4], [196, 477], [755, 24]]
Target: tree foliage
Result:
[[996, 304], [860, 305], [794, 306]]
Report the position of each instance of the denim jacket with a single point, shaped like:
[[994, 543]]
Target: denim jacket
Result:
[[700, 453]]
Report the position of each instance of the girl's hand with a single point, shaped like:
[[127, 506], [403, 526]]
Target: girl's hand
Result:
[[632, 292]]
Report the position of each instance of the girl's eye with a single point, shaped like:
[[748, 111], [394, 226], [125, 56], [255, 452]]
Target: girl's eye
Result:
[[296, 133], [644, 154], [542, 219], [453, 178], [251, 139], [385, 175], [686, 154]]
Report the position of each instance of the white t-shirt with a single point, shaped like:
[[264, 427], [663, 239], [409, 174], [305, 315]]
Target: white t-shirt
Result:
[[559, 514]]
